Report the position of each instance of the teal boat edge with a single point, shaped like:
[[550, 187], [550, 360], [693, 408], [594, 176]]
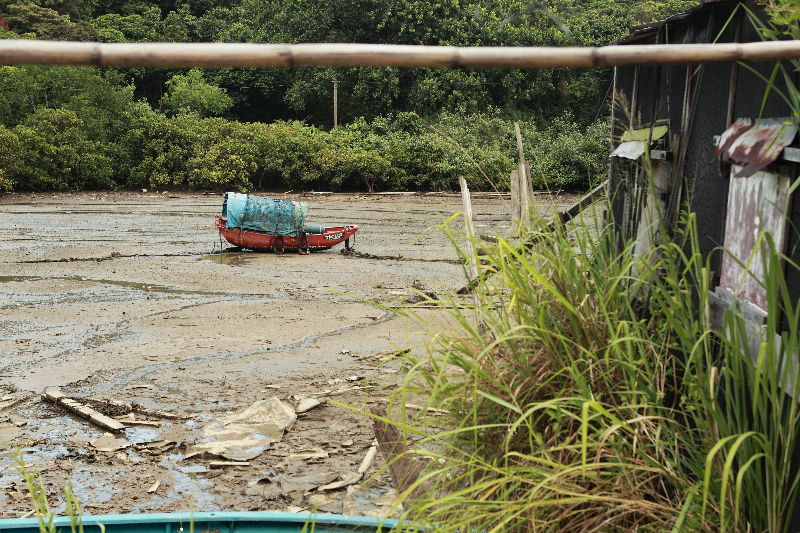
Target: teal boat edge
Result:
[[217, 522]]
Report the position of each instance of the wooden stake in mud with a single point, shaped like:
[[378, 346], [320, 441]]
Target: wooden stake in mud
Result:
[[524, 189], [515, 209], [472, 266]]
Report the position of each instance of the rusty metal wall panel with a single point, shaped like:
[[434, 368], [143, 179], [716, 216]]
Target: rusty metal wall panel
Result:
[[755, 203]]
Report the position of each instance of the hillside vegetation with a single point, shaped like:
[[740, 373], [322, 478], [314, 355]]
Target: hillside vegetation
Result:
[[248, 128]]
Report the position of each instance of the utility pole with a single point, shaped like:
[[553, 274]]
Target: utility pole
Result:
[[335, 104]]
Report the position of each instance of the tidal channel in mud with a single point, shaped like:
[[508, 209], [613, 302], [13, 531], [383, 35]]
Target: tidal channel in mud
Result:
[[133, 298]]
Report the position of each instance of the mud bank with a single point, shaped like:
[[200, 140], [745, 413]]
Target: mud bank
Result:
[[133, 297]]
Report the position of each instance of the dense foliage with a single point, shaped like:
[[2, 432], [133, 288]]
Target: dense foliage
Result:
[[271, 127], [101, 137]]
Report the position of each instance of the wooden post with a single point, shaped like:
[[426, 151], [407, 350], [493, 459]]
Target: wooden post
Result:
[[520, 151], [514, 182], [634, 99], [524, 199], [472, 267], [524, 189], [734, 74], [335, 104], [529, 182]]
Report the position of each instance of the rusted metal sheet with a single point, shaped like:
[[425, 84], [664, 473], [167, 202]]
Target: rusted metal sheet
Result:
[[755, 204], [629, 150], [755, 143]]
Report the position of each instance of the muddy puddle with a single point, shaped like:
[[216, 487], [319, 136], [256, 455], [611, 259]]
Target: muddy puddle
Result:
[[132, 298]]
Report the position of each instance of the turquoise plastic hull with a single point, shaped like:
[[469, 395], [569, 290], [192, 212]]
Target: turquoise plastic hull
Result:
[[219, 522]]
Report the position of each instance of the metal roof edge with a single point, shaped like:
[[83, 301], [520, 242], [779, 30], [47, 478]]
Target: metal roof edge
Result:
[[642, 31]]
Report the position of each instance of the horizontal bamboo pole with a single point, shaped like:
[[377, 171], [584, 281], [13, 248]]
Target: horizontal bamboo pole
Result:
[[20, 52]]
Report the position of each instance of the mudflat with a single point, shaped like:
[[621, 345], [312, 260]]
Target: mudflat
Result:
[[133, 298]]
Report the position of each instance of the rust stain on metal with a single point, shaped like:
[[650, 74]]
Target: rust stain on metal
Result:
[[755, 143], [754, 205]]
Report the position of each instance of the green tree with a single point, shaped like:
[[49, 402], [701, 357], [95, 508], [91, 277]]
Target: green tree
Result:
[[54, 153], [8, 158], [135, 27], [47, 23], [191, 93]]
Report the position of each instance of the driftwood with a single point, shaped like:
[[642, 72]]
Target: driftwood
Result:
[[402, 468]]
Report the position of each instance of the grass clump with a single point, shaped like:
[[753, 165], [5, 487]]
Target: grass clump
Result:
[[41, 508], [589, 391]]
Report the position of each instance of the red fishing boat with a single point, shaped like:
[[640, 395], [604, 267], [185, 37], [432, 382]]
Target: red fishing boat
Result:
[[256, 240], [261, 223]]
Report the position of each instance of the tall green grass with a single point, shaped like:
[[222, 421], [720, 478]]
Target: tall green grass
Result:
[[587, 390]]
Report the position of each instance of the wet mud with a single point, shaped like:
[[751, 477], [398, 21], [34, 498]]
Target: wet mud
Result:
[[133, 298]]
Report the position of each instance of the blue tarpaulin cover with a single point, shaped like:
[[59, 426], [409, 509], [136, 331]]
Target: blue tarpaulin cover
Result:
[[259, 213]]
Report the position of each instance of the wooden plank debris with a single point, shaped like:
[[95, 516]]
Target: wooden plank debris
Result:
[[367, 462], [13, 402], [83, 411], [130, 407], [427, 409], [222, 464], [130, 420], [492, 218], [336, 392], [347, 479], [154, 487], [585, 201]]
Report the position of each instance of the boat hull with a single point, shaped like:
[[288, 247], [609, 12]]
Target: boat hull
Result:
[[223, 522], [256, 240]]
